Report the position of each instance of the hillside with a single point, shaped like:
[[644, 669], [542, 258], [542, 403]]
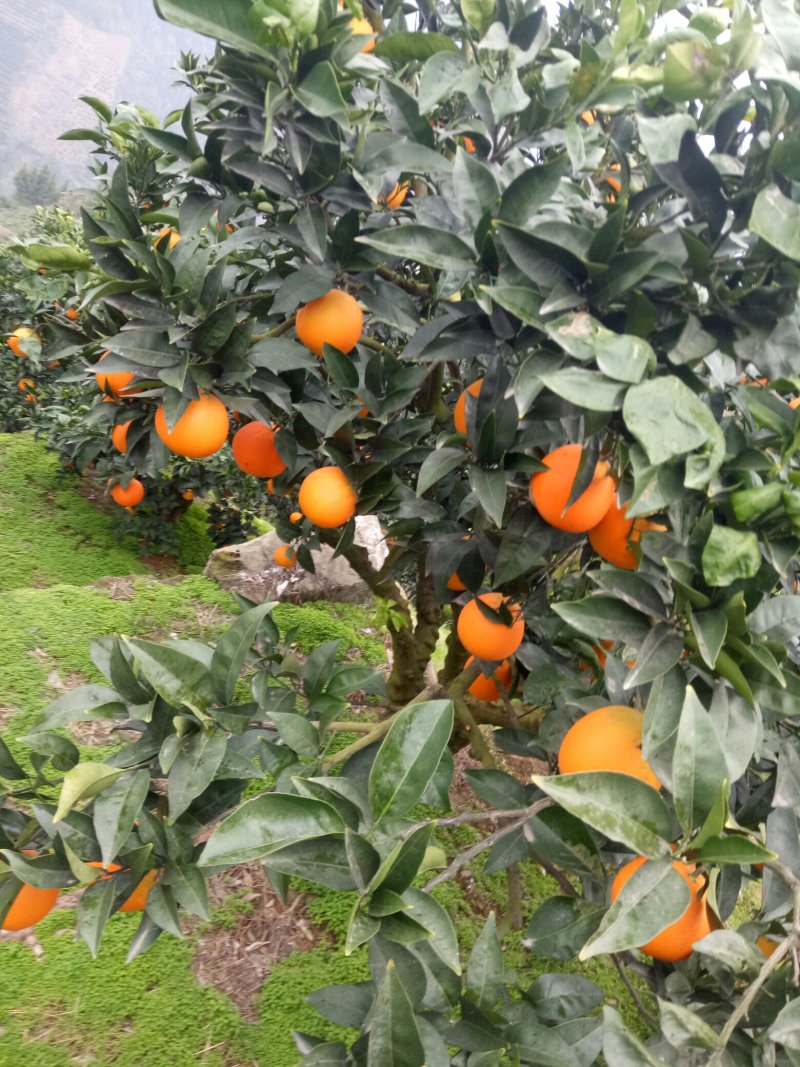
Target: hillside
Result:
[[53, 53]]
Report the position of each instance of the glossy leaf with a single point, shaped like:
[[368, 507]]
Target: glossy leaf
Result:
[[232, 649], [698, 763], [408, 757], [115, 811]]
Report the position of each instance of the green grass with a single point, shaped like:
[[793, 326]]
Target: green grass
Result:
[[50, 534]]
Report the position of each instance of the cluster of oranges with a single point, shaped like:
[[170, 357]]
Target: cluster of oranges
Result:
[[610, 739], [32, 904]]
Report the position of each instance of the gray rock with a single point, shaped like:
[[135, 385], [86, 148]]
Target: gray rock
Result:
[[250, 570]]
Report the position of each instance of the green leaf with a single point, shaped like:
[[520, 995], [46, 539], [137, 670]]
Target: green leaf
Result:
[[320, 94], [733, 848], [475, 187], [429, 913], [188, 887], [785, 1030], [777, 617], [668, 420], [520, 300], [322, 860], [436, 465], [624, 357], [444, 73], [424, 244], [408, 757], [82, 783], [561, 927], [54, 257], [661, 650], [729, 555], [654, 897], [177, 677], [233, 648], [9, 768], [148, 348], [394, 1038], [683, 1027], [406, 46], [620, 806], [585, 388], [709, 628], [776, 219], [115, 811], [560, 997], [93, 911], [698, 764], [621, 1048], [604, 617], [531, 190], [197, 761], [485, 969], [227, 22], [478, 14], [507, 96], [489, 486], [169, 142], [265, 824]]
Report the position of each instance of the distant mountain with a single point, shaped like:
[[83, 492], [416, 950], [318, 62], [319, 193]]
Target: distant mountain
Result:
[[55, 52]]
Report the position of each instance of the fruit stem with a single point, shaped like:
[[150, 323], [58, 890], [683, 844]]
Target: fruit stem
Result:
[[410, 286], [276, 332]]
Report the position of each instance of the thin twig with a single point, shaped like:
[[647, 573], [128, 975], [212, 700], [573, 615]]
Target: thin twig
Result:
[[651, 1021], [410, 286], [276, 332]]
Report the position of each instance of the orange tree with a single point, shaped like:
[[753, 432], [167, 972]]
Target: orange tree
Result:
[[597, 222]]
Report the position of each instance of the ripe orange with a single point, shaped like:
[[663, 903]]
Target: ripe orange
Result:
[[188, 494], [460, 410], [550, 491], [119, 436], [172, 235], [455, 584], [795, 404], [296, 516], [201, 430], [614, 534], [71, 313], [676, 940], [607, 739], [116, 381], [26, 384], [285, 556], [489, 639], [254, 451], [767, 945], [29, 907], [130, 496], [138, 898], [327, 498], [362, 27], [469, 145], [334, 319], [588, 117], [396, 196], [22, 334], [615, 183], [486, 688]]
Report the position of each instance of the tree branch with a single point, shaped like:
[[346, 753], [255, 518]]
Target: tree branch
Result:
[[410, 286]]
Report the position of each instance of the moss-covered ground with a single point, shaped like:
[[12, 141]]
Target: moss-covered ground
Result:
[[62, 1008]]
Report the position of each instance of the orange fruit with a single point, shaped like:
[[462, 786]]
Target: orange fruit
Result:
[[550, 491], [588, 117], [254, 451], [285, 556], [334, 319], [188, 494], [25, 384], [130, 496], [607, 739], [455, 584], [460, 410], [795, 404], [29, 907], [396, 196], [486, 687], [119, 436], [21, 334], [327, 498], [489, 639], [614, 534], [362, 27], [116, 381], [676, 940], [168, 232], [201, 430], [767, 944], [40, 270], [71, 313], [138, 898], [296, 516], [469, 145], [615, 183]]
